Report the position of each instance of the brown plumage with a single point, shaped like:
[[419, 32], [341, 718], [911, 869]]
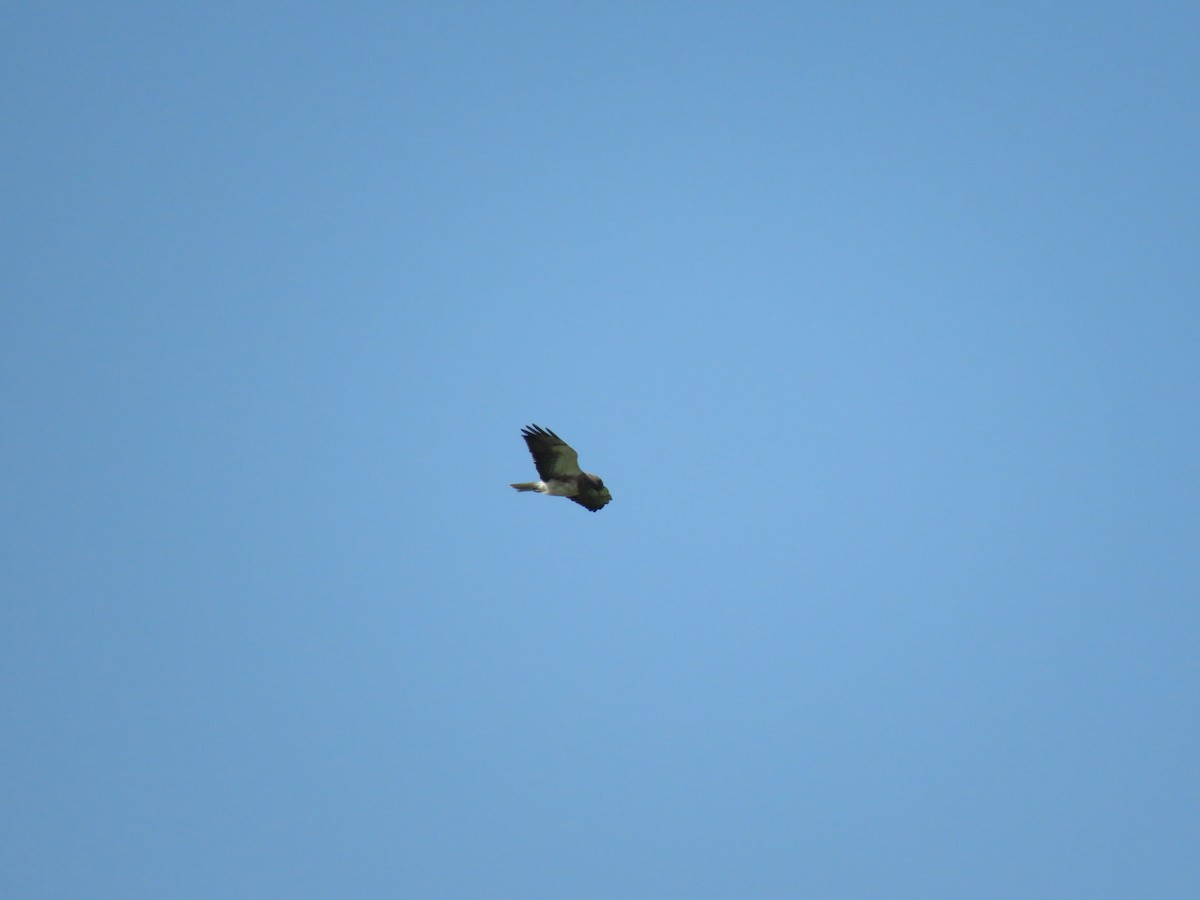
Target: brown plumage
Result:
[[558, 465]]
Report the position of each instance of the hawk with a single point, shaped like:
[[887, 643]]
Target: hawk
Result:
[[558, 464]]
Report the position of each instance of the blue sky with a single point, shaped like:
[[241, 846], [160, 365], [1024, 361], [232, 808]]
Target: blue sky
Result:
[[880, 321]]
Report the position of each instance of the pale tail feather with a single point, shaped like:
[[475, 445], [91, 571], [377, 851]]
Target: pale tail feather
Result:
[[527, 486]]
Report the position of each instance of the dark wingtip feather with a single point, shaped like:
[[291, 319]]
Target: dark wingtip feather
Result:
[[538, 431]]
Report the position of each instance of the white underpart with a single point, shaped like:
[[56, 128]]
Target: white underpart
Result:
[[557, 489]]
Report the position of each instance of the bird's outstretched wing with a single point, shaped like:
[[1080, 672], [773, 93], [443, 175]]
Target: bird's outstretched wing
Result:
[[552, 455], [594, 500]]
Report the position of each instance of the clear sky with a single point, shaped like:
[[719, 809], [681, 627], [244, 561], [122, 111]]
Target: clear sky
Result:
[[881, 321]]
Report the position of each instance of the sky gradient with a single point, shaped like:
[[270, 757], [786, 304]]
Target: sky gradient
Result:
[[880, 322]]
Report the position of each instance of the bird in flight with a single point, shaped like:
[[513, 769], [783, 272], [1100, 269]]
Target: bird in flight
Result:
[[558, 465]]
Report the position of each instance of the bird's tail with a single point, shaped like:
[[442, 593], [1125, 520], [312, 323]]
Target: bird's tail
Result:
[[527, 486]]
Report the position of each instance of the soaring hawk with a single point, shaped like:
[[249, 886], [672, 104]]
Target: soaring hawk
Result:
[[558, 465]]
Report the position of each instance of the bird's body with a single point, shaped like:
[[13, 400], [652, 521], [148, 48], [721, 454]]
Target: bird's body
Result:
[[558, 465]]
